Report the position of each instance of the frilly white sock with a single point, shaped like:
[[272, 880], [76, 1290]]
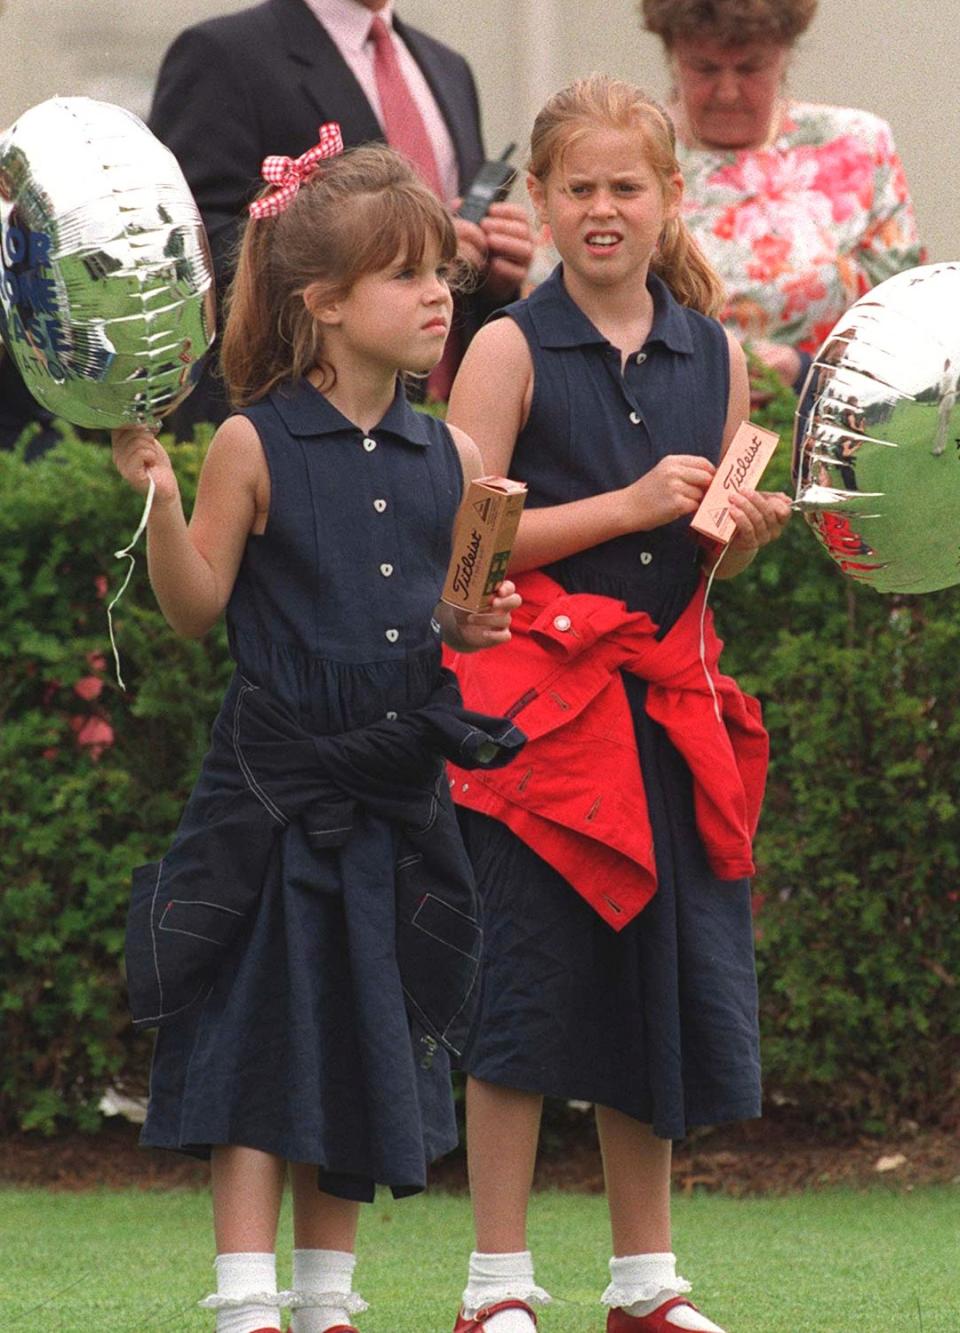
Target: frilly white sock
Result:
[[640, 1283], [499, 1277], [247, 1298], [323, 1295]]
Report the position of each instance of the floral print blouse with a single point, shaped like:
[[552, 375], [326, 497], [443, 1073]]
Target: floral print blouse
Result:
[[802, 228]]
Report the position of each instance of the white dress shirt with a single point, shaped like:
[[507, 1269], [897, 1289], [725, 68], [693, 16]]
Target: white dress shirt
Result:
[[348, 23]]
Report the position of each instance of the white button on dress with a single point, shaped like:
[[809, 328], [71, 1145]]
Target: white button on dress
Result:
[[391, 716], [645, 557], [562, 623], [369, 445], [386, 570], [380, 506], [392, 635], [635, 418], [641, 357]]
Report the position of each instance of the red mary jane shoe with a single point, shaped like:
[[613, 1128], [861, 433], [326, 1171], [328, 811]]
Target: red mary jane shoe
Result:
[[618, 1321], [478, 1322]]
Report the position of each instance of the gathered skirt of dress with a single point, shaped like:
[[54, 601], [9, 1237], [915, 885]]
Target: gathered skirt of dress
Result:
[[658, 1021], [304, 1048]]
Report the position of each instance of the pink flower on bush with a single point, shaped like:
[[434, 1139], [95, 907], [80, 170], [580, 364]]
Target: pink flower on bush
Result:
[[102, 585], [51, 752], [89, 688], [96, 661], [94, 734]]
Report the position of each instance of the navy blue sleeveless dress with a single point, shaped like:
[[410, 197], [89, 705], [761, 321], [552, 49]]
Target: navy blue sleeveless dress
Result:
[[658, 1021], [304, 1047]]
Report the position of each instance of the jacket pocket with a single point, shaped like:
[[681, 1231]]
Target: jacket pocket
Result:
[[439, 944], [208, 922]]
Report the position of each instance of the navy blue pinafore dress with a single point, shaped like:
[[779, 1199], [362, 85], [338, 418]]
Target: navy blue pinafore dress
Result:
[[658, 1021], [303, 1047]]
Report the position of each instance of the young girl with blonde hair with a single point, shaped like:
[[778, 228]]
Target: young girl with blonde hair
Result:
[[308, 948], [612, 860]]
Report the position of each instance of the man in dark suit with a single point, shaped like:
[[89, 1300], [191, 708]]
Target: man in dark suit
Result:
[[235, 89]]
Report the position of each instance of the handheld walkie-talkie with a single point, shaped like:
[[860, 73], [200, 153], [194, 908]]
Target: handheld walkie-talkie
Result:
[[490, 185]]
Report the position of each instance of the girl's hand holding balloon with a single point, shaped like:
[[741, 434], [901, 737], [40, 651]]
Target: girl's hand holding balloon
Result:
[[139, 456], [760, 516]]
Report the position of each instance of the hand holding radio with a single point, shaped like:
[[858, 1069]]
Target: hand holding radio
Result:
[[491, 185], [492, 234]]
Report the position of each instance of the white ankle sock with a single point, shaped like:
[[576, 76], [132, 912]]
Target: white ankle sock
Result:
[[323, 1290], [246, 1296], [639, 1283], [498, 1277]]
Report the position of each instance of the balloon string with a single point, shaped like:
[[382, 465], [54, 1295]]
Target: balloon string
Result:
[[703, 646], [126, 554]]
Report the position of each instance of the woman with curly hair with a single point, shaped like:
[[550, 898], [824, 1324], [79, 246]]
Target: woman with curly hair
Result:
[[800, 207]]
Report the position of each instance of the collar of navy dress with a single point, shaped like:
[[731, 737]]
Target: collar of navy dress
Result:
[[560, 322], [304, 410]]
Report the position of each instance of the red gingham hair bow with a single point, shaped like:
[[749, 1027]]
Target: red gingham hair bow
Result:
[[289, 173]]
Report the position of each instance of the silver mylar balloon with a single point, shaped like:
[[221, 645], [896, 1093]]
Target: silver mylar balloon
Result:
[[876, 458], [106, 284]]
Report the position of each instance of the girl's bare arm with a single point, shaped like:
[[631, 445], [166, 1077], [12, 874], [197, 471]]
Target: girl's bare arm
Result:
[[491, 401], [193, 567]]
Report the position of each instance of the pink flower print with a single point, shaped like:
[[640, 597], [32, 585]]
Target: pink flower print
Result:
[[725, 223], [770, 258], [800, 293], [768, 176], [88, 688], [814, 340], [845, 176]]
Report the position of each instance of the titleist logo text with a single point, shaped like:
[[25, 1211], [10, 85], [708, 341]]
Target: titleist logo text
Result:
[[739, 470], [467, 565]]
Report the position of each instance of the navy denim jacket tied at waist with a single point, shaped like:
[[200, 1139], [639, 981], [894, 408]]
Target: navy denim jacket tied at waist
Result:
[[264, 772]]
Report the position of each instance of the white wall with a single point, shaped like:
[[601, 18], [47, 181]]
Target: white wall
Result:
[[893, 58]]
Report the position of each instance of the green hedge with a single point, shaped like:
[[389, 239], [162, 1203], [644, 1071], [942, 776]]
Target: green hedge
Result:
[[857, 898], [76, 814], [856, 901]]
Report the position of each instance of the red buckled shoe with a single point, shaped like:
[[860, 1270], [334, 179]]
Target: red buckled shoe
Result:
[[618, 1321], [477, 1323]]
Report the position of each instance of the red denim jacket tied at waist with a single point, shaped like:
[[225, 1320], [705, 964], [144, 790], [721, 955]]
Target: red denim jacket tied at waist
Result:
[[576, 795]]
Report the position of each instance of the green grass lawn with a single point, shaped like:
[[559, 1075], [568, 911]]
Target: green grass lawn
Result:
[[835, 1262]]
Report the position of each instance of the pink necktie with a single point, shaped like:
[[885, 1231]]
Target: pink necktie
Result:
[[402, 120], [406, 132]]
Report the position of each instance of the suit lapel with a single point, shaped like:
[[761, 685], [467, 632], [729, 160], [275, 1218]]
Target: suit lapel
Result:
[[324, 76]]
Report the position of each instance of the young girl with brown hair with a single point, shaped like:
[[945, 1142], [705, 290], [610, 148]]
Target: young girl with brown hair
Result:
[[612, 860], [308, 948]]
